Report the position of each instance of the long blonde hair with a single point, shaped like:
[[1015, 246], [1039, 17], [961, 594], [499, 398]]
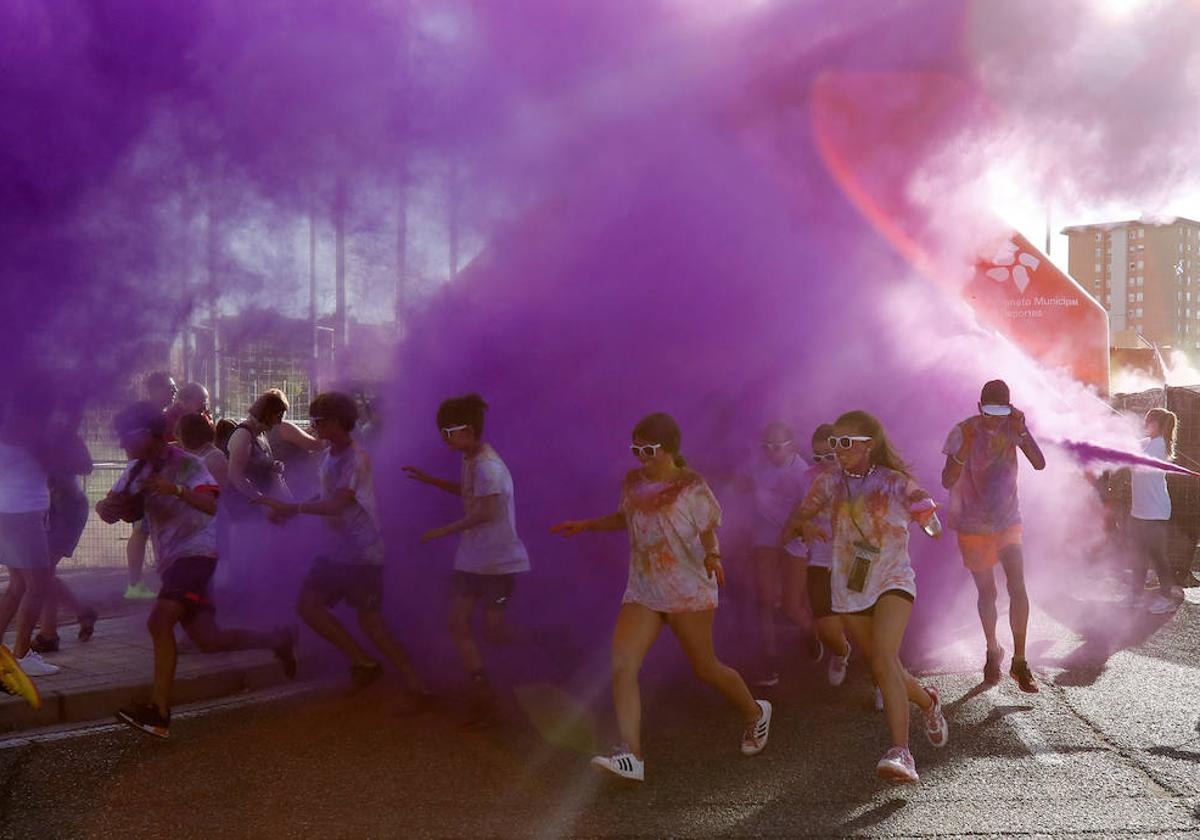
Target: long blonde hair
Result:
[[884, 454], [1168, 425]]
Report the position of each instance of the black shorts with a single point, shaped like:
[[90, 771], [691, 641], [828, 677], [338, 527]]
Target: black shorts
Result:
[[360, 585], [186, 582], [820, 593], [493, 590], [871, 609]]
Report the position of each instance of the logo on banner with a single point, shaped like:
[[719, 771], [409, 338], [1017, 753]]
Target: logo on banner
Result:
[[1011, 263]]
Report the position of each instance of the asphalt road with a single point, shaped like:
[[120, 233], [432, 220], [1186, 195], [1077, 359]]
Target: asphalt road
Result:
[[1110, 747]]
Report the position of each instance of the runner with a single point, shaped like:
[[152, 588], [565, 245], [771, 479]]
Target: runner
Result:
[[871, 500], [981, 475], [177, 498], [162, 391], [353, 568], [674, 572], [490, 553], [777, 483], [1151, 516]]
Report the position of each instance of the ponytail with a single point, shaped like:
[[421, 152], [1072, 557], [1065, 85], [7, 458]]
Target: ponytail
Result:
[[1168, 427]]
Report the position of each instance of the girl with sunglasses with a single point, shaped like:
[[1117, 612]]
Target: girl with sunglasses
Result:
[[490, 554], [674, 571], [871, 500], [776, 481]]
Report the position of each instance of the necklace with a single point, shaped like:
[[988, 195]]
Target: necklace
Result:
[[849, 474]]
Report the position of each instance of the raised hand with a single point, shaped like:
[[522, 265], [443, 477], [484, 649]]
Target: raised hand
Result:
[[571, 527]]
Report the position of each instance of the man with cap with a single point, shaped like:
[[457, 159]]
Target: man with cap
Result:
[[981, 475]]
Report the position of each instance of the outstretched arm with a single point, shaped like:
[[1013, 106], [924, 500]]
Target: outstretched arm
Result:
[[612, 522], [416, 474]]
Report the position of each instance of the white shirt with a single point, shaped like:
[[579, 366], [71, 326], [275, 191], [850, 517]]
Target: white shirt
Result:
[[23, 487], [1150, 498]]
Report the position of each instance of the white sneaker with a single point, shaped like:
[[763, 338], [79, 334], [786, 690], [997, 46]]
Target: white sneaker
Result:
[[936, 729], [33, 665], [838, 665], [622, 763], [754, 738], [1159, 605], [878, 699], [898, 766]]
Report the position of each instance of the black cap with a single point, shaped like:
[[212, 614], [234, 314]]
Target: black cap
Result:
[[995, 393]]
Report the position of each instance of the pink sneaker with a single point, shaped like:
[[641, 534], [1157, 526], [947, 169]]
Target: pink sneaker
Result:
[[898, 766], [936, 729]]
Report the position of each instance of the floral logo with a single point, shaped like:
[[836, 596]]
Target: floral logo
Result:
[[1011, 262]]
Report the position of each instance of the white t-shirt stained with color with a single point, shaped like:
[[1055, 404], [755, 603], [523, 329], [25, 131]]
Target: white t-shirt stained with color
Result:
[[492, 548], [1150, 498]]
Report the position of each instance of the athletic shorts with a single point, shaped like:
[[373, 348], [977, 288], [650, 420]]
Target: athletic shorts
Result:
[[493, 590], [68, 517], [23, 540], [820, 591], [908, 596], [360, 585], [186, 582], [982, 551]]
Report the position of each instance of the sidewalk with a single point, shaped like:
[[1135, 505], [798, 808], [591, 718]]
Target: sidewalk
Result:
[[116, 666]]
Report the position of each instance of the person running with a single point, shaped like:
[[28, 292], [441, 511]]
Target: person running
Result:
[[830, 627], [1151, 516], [776, 482], [191, 399], [871, 500], [24, 506], [981, 474], [66, 520], [490, 554], [177, 497], [196, 437], [674, 573], [162, 391], [352, 570]]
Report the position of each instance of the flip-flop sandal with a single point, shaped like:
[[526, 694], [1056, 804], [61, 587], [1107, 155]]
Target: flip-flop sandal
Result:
[[15, 681], [87, 624]]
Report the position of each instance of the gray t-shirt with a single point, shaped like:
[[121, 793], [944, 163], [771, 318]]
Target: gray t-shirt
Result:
[[492, 548], [176, 528], [355, 530]]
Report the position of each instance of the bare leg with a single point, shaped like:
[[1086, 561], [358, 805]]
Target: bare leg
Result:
[[694, 631], [18, 582], [832, 633], [373, 625], [637, 628], [985, 583], [209, 638], [161, 624], [766, 588], [795, 591], [315, 614], [39, 581], [462, 607], [59, 595], [135, 554], [1018, 599]]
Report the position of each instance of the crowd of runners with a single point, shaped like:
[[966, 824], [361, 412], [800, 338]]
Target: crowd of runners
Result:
[[830, 545]]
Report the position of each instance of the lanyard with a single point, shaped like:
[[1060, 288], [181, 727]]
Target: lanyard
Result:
[[850, 499]]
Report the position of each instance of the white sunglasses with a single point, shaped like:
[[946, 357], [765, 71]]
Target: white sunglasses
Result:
[[847, 441], [647, 451], [449, 430]]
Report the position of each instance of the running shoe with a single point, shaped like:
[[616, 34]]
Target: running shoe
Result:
[[878, 699], [815, 649], [363, 675], [936, 729], [285, 652], [1024, 677], [87, 623], [1134, 601], [33, 665], [838, 666], [147, 718], [898, 766], [770, 679], [1160, 605], [44, 644], [15, 681], [139, 592], [622, 763], [991, 666], [754, 738]]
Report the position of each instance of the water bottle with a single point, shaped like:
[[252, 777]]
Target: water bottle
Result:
[[925, 512]]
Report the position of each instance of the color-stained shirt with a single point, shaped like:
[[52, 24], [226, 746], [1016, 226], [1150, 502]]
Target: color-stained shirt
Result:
[[984, 499], [492, 548], [1151, 501], [176, 528], [355, 530], [665, 520], [874, 510], [777, 491], [820, 552]]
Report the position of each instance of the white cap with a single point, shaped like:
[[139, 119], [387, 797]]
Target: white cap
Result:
[[996, 410]]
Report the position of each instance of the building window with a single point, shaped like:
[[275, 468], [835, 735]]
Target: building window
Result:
[[1131, 298], [1139, 297], [1137, 313], [1099, 251], [1141, 263]]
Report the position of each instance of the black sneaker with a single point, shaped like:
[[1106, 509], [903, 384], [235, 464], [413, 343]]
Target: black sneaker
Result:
[[146, 717], [362, 676], [285, 652], [44, 644], [1024, 677], [991, 666]]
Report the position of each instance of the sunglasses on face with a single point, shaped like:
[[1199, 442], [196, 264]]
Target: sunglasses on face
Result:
[[647, 451], [772, 446], [847, 441], [449, 430], [818, 458]]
